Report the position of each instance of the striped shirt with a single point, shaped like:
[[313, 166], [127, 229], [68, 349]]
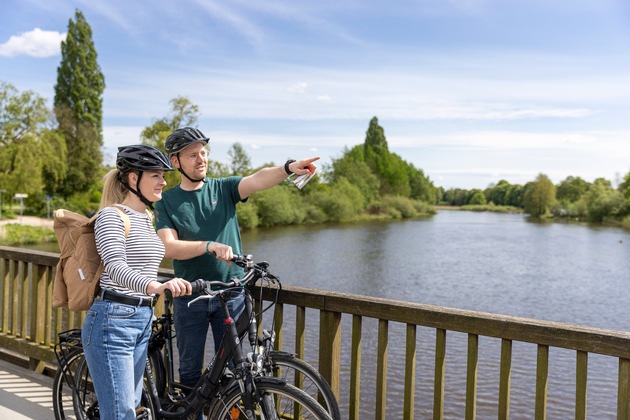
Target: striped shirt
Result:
[[131, 263]]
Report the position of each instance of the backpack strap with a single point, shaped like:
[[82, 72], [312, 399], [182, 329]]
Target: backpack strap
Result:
[[125, 218]]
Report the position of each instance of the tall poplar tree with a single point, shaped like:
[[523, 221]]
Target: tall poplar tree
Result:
[[78, 106]]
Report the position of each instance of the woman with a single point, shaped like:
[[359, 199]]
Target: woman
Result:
[[117, 327]]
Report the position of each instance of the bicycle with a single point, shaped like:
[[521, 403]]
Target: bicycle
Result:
[[165, 396]]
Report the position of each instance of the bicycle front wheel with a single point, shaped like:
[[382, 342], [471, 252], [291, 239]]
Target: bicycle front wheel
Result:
[[275, 399], [302, 375]]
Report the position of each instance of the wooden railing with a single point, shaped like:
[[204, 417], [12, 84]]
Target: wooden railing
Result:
[[28, 327]]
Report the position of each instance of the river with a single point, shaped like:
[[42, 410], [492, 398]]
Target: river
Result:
[[501, 263]]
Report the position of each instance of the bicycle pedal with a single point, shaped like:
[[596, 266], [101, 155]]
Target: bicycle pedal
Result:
[[142, 413]]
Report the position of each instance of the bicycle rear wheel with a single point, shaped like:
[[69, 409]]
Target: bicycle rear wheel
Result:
[[276, 400], [302, 375], [85, 403], [63, 383]]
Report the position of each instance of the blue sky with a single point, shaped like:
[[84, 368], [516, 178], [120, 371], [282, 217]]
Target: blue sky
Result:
[[470, 91]]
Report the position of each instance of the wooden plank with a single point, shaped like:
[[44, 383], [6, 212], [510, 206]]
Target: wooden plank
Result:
[[410, 373], [554, 334], [623, 390], [505, 376], [355, 368], [440, 367], [581, 379], [542, 380], [381, 370], [277, 325], [471, 376], [330, 348], [300, 331]]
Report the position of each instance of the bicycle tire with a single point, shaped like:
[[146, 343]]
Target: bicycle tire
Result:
[[63, 405], [158, 370], [279, 400], [84, 401], [286, 365]]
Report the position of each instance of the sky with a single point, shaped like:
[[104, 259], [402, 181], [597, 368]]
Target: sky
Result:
[[469, 91]]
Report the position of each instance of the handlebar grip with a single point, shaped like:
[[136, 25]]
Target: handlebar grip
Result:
[[198, 286]]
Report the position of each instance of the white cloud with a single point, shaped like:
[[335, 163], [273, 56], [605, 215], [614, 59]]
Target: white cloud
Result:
[[298, 88], [36, 43]]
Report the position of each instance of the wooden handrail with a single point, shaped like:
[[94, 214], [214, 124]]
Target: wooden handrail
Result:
[[29, 326]]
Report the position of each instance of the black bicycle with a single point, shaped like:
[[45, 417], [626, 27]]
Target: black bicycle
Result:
[[162, 396]]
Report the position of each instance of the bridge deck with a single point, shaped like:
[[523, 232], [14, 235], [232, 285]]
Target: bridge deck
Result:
[[24, 394]]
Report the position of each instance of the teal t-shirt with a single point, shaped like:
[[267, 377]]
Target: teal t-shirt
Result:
[[206, 214]]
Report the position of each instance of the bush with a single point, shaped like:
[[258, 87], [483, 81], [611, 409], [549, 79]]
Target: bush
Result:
[[16, 234], [247, 216], [278, 206]]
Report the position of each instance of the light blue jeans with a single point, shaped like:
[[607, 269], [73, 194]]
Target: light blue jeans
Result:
[[191, 329], [115, 339]]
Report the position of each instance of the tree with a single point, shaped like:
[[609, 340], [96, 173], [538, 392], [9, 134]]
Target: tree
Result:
[[32, 153], [539, 196], [478, 198], [240, 163], [183, 113], [571, 189], [602, 201], [78, 106]]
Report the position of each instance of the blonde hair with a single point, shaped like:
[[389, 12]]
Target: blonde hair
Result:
[[113, 190]]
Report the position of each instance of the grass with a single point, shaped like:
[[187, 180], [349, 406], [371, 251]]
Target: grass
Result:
[[16, 234]]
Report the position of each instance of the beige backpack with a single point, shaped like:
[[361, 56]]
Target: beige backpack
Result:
[[80, 267]]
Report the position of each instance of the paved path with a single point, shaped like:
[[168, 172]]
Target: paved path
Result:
[[24, 394], [29, 220]]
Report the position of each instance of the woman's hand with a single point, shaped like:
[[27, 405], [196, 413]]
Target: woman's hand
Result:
[[177, 286]]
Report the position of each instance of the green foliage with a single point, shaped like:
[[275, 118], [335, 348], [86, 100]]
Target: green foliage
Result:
[[340, 202], [278, 206], [539, 196], [183, 113], [78, 106], [478, 198], [240, 163], [32, 156], [247, 216], [602, 201], [353, 168], [16, 235], [571, 189]]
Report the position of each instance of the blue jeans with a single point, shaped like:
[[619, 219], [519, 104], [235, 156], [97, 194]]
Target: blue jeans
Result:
[[115, 339], [191, 328]]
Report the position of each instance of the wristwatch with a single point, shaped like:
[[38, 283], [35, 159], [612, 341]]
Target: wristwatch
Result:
[[286, 167]]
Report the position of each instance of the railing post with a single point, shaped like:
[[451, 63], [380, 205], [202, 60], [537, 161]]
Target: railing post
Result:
[[355, 368], [471, 377], [505, 379], [581, 377], [330, 347], [623, 390], [542, 379], [440, 365], [381, 369], [410, 373]]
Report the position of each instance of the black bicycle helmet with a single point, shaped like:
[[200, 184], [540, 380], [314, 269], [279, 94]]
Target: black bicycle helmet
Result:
[[141, 158], [183, 137]]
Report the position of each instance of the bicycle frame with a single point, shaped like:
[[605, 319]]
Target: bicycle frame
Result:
[[210, 383]]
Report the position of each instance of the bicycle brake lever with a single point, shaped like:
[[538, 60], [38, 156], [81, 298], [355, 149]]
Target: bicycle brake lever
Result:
[[200, 297]]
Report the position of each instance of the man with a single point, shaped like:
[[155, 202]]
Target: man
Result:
[[197, 223]]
